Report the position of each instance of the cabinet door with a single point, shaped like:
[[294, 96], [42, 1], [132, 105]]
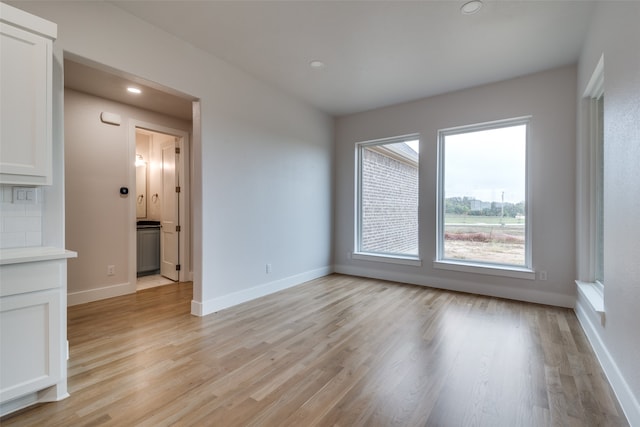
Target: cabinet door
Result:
[[25, 102], [29, 343]]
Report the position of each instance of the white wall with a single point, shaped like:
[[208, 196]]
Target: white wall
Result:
[[98, 218], [263, 160], [549, 97], [615, 33]]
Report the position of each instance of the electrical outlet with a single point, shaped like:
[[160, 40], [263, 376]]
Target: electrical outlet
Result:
[[543, 275], [268, 268], [111, 270]]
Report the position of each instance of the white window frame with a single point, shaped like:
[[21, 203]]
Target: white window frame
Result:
[[591, 289], [597, 145], [480, 267], [359, 254]]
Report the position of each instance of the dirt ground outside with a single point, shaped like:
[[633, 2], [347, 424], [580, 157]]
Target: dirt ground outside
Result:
[[495, 243], [501, 253]]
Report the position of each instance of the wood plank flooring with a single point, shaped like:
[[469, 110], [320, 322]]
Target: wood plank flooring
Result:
[[337, 351]]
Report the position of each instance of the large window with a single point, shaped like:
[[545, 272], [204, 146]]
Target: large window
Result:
[[387, 199], [482, 197]]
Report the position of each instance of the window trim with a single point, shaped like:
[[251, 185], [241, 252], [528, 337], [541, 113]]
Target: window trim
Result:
[[594, 93], [358, 253], [504, 270], [591, 290], [390, 259], [526, 270], [587, 211], [597, 143]]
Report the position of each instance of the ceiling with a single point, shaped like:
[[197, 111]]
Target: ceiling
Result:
[[376, 53]]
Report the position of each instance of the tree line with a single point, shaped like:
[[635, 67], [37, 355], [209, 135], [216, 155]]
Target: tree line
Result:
[[471, 206]]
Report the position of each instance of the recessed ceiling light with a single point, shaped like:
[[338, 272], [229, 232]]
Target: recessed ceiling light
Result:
[[471, 7], [316, 64], [134, 90]]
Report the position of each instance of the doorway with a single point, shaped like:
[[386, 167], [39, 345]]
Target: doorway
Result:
[[100, 123], [161, 204]]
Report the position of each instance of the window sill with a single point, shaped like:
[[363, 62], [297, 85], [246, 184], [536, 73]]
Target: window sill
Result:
[[391, 259], [593, 293], [492, 270]]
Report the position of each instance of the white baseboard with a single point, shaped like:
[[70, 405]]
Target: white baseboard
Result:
[[235, 298], [514, 293], [18, 403], [47, 395], [628, 401], [81, 297]]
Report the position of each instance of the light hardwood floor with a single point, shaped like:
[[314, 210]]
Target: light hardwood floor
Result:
[[337, 351]]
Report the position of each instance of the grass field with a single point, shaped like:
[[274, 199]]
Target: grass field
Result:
[[485, 238], [472, 219]]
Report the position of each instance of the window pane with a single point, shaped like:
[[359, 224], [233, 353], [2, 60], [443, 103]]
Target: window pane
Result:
[[599, 265], [484, 196], [389, 198]]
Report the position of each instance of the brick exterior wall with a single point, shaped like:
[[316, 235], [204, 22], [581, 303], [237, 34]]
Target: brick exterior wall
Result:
[[389, 202]]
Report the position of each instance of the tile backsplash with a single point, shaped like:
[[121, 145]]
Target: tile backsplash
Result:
[[20, 223]]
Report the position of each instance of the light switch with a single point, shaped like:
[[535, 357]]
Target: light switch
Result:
[[25, 195]]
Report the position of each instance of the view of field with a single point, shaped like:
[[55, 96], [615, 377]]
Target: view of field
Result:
[[485, 238]]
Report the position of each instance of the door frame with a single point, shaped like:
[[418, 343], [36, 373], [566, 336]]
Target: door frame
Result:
[[184, 201]]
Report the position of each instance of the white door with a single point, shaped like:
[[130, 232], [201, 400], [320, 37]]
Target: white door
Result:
[[170, 221]]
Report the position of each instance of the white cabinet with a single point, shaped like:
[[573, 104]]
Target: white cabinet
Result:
[[26, 59], [30, 341], [32, 326]]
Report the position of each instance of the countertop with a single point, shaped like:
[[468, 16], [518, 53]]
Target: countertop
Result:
[[34, 254]]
